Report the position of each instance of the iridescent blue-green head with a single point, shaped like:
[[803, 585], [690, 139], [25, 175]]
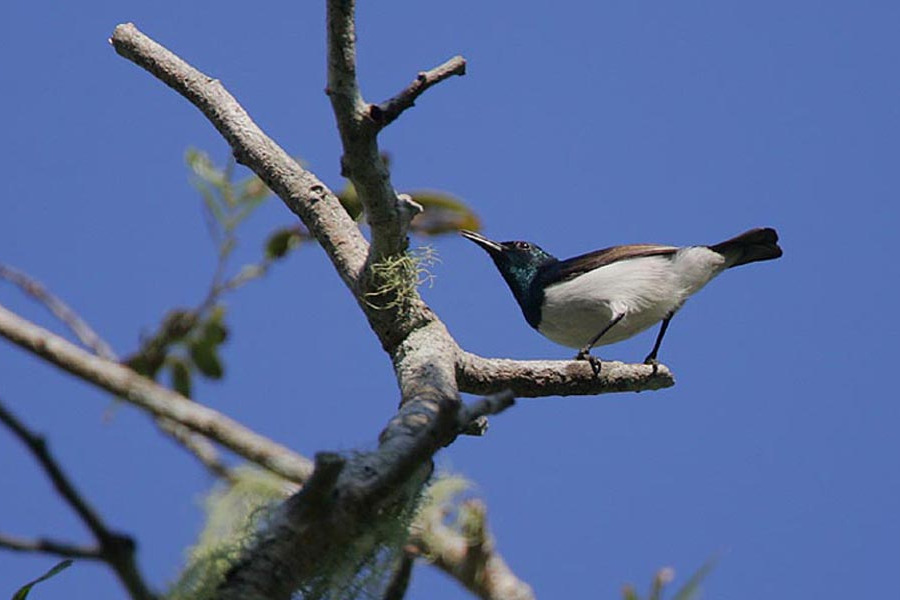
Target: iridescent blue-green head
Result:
[[519, 263]]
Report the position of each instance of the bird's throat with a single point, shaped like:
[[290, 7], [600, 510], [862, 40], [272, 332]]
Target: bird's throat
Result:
[[522, 280]]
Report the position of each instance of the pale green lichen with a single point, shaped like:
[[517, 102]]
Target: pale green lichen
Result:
[[396, 278], [233, 516], [361, 570]]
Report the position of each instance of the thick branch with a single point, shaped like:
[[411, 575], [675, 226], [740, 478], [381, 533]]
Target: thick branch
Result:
[[371, 486], [115, 549], [428, 418], [538, 378], [154, 398], [387, 112], [302, 192]]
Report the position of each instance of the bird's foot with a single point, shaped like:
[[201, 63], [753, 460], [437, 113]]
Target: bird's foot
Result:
[[651, 360], [585, 354]]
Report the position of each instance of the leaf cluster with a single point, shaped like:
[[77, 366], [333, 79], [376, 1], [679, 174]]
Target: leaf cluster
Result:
[[186, 343]]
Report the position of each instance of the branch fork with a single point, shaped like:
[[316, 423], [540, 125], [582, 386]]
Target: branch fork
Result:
[[430, 366]]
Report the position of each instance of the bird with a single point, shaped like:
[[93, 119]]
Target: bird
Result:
[[609, 295]]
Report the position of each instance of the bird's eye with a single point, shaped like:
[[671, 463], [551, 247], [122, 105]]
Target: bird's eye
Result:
[[523, 245]]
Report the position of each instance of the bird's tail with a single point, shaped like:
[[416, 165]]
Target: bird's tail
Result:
[[750, 246]]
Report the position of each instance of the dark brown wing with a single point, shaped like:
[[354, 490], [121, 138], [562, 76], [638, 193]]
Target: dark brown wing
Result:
[[573, 267]]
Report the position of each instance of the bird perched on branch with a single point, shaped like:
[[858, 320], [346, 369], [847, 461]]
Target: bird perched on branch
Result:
[[610, 295]]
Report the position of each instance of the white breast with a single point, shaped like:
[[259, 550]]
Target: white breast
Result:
[[644, 289]]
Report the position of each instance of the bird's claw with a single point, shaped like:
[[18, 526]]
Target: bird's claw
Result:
[[652, 361], [585, 354]]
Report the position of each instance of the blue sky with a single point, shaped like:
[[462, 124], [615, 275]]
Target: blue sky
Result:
[[578, 126]]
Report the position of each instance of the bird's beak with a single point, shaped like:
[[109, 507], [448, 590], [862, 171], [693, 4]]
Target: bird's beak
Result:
[[489, 245]]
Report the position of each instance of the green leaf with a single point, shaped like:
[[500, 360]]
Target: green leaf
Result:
[[281, 241], [147, 364], [350, 201], [206, 359], [212, 204], [443, 213], [177, 324], [215, 333], [214, 330], [691, 589], [628, 593], [663, 577], [243, 206], [181, 377], [203, 167], [25, 589]]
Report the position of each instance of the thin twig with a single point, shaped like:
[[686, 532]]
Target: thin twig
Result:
[[48, 546], [84, 332], [38, 448], [387, 112], [473, 418], [198, 445], [116, 549]]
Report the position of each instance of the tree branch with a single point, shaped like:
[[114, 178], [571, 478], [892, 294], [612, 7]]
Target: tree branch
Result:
[[194, 443], [399, 583], [469, 556], [303, 193], [84, 332], [387, 112], [116, 549], [361, 162], [198, 445], [343, 88], [372, 486], [154, 398], [537, 378], [473, 418], [422, 350], [387, 214], [48, 546]]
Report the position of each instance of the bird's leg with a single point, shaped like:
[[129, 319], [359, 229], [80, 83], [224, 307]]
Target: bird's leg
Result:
[[585, 352], [651, 358]]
